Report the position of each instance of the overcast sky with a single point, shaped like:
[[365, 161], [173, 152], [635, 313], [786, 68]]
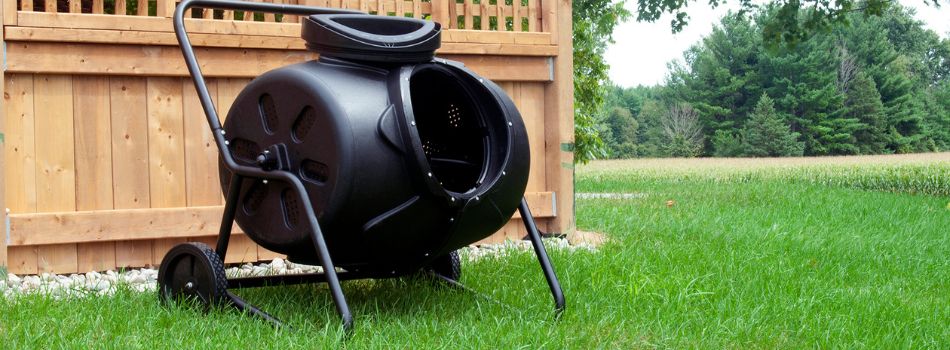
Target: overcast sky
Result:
[[642, 50]]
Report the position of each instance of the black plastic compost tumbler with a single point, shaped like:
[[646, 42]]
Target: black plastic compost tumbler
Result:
[[377, 160]]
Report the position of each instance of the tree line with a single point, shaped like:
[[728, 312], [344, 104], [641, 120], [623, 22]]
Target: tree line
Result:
[[868, 85]]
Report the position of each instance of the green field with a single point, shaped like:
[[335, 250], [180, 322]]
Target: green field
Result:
[[788, 253]]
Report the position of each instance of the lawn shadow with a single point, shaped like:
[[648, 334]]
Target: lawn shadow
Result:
[[402, 298]]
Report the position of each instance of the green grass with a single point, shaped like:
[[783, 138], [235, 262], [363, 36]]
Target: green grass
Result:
[[763, 263]]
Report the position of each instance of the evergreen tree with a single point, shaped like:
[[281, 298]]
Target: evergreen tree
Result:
[[864, 104], [892, 73], [650, 139], [720, 78], [727, 145], [767, 135]]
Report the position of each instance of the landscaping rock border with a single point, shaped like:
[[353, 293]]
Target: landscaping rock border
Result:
[[145, 279]]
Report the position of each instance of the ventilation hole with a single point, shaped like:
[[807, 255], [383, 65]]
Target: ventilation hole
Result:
[[303, 124], [314, 171], [455, 117], [288, 201], [254, 198], [269, 113], [245, 150]]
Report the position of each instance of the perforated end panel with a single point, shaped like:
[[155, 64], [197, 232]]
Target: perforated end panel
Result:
[[269, 115]]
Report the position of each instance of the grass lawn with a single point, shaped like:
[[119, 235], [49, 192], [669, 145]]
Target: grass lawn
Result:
[[744, 256]]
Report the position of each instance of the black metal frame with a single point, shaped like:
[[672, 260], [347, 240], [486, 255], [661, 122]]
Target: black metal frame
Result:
[[330, 275]]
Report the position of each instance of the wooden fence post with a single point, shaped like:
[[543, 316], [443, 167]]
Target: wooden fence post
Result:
[[3, 164], [559, 113]]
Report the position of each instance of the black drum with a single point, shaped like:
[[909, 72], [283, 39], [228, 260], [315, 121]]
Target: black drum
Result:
[[405, 157]]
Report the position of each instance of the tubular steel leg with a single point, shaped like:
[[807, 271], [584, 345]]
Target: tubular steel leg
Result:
[[316, 235], [542, 257], [227, 221], [242, 305]]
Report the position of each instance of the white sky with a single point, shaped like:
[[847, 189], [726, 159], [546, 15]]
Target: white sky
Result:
[[642, 50]]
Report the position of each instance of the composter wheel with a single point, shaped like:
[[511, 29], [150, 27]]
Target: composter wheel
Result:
[[192, 271], [449, 266]]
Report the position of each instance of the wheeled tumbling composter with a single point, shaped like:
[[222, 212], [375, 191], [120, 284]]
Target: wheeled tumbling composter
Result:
[[377, 160]]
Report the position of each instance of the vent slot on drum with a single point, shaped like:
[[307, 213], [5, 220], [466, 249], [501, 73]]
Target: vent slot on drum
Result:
[[245, 150], [450, 128], [269, 114], [288, 202], [254, 197], [314, 171], [304, 123]]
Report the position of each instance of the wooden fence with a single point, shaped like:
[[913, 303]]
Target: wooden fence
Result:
[[108, 162]]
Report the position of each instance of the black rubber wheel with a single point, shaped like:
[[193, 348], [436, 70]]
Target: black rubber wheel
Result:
[[449, 266], [192, 271]]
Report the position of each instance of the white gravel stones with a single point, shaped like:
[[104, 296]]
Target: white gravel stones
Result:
[[145, 279]]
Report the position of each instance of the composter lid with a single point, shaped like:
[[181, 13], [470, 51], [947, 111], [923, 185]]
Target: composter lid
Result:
[[372, 38]]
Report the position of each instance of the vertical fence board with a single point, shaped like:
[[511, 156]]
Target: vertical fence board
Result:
[[98, 6], [241, 250], [119, 7], [133, 254], [483, 14], [467, 12], [162, 246], [533, 20], [3, 165], [228, 89], [75, 6], [93, 143], [165, 151], [531, 105], [26, 5], [98, 256], [453, 14], [129, 161], [270, 17], [55, 163], [516, 16], [201, 155], [165, 144], [50, 6], [129, 143], [141, 10], [165, 8], [93, 137], [57, 258], [500, 15], [20, 149], [22, 259], [20, 186]]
